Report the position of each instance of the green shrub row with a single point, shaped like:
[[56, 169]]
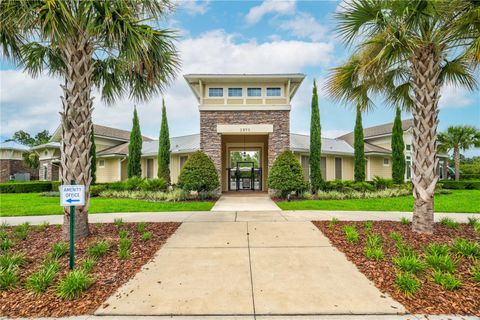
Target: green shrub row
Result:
[[132, 184], [461, 185], [29, 187]]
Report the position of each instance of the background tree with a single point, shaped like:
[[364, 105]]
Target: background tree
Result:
[[398, 147], [30, 157], [458, 138], [406, 51], [93, 156], [134, 165], [359, 149], [316, 180], [112, 45], [164, 148]]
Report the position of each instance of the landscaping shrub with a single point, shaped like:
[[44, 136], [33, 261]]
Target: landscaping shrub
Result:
[[441, 262], [87, 265], [158, 184], [172, 196], [124, 245], [349, 193], [462, 184], [98, 249], [74, 283], [118, 222], [475, 272], [395, 236], [407, 283], [449, 223], [8, 277], [410, 264], [286, 175], [437, 249], [375, 253], [351, 233], [198, 174], [141, 226], [405, 221], [146, 236], [96, 190], [405, 250], [6, 244], [29, 187], [374, 240], [446, 280], [12, 260], [123, 234], [368, 226], [134, 183], [473, 221], [59, 249], [39, 281], [43, 226], [466, 248], [382, 183], [21, 231]]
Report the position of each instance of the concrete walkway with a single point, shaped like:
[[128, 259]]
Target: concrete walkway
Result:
[[205, 216], [252, 269], [239, 201]]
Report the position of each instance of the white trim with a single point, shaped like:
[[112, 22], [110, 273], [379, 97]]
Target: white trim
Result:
[[119, 169], [100, 163], [242, 107], [369, 169], [241, 145], [388, 164]]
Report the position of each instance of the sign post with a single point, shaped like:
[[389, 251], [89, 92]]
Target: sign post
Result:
[[71, 196]]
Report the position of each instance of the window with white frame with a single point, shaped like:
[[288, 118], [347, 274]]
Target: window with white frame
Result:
[[408, 147], [274, 92], [101, 163], [386, 161], [45, 172], [254, 92], [235, 92], [215, 92], [408, 168]]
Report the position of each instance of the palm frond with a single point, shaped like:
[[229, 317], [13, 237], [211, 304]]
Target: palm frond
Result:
[[458, 72]]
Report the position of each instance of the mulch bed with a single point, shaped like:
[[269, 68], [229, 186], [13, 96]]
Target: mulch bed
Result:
[[431, 298], [109, 272]]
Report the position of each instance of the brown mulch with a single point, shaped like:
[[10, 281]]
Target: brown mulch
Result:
[[431, 298], [109, 271]]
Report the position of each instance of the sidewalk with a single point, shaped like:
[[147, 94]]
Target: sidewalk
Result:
[[299, 317], [245, 202], [230, 216]]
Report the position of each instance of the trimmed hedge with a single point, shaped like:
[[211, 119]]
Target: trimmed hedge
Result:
[[286, 175], [461, 185], [199, 174], [29, 187]]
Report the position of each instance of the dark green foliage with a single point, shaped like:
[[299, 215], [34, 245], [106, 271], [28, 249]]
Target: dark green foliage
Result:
[[466, 248], [40, 280], [164, 148], [59, 249], [133, 183], [134, 167], [74, 283], [398, 146], [30, 158], [316, 180], [8, 277], [286, 175], [446, 280], [93, 156], [382, 183], [124, 245], [154, 185], [407, 283], [411, 263], [358, 145], [348, 185], [199, 174], [29, 187], [460, 185], [98, 249]]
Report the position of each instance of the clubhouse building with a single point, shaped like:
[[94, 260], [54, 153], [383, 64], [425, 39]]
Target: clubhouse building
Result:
[[244, 126]]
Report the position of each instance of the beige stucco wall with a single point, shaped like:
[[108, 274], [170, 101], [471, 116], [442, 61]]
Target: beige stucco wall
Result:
[[245, 99], [11, 154], [347, 166], [377, 168], [44, 154], [110, 172]]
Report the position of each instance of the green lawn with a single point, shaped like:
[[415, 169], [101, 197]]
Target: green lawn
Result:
[[458, 201], [32, 204]]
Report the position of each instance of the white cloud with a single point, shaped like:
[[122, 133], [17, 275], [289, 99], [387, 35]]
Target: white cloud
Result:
[[33, 104], [454, 97], [344, 4], [282, 7], [193, 7], [304, 25]]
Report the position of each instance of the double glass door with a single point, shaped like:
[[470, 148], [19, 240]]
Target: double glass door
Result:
[[244, 172]]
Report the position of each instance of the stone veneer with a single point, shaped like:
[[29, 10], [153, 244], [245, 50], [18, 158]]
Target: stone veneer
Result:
[[211, 141], [52, 170], [9, 167]]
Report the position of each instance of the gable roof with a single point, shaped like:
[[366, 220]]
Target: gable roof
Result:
[[12, 145], [383, 129], [102, 131]]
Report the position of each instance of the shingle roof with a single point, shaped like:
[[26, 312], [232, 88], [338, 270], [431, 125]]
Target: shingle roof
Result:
[[12, 145], [114, 133], [382, 129], [367, 147]]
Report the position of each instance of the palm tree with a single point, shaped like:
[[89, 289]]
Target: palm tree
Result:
[[458, 138], [408, 50], [112, 45]]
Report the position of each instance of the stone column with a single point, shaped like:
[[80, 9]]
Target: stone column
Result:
[[210, 140]]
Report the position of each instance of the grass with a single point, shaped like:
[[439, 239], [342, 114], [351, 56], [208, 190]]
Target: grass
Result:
[[39, 281], [12, 260], [32, 204], [447, 280], [124, 245], [74, 283], [458, 201], [351, 233], [466, 248], [410, 264], [449, 223], [59, 249], [443, 263], [146, 236], [407, 283], [98, 249]]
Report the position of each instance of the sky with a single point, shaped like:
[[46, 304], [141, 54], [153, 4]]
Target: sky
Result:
[[228, 37]]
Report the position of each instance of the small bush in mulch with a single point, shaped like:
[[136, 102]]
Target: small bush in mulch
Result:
[[36, 282], [431, 274]]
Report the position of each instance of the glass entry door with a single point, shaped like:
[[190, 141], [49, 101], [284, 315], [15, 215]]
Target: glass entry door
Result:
[[244, 172]]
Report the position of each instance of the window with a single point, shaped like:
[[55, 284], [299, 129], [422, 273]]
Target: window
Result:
[[215, 92], [338, 168], [183, 159], [408, 168], [408, 147], [386, 161], [306, 167], [323, 166], [149, 168], [101, 163], [235, 92], [274, 92], [46, 153], [45, 172], [254, 92]]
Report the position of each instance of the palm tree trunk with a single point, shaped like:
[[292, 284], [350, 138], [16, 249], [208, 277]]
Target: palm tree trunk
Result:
[[76, 126], [425, 70], [456, 156]]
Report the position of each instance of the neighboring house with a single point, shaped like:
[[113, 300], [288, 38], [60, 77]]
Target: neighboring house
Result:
[[244, 126], [11, 162]]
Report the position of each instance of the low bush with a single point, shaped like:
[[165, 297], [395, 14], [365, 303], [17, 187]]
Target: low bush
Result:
[[382, 183], [286, 175], [395, 236], [29, 187], [141, 226], [460, 185], [473, 221], [146, 236], [368, 226], [466, 248], [405, 250], [74, 284], [98, 249], [437, 249], [198, 174], [96, 190], [351, 233], [449, 223], [124, 245], [443, 263], [407, 283], [375, 253], [410, 264], [123, 234], [333, 223], [12, 259], [118, 222], [22, 230], [6, 244], [59, 249], [347, 194], [87, 265], [374, 240], [39, 281], [154, 185], [446, 280], [405, 221], [475, 272], [43, 226], [172, 196], [8, 277]]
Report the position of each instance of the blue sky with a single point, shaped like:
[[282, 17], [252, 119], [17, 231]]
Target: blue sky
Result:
[[229, 37]]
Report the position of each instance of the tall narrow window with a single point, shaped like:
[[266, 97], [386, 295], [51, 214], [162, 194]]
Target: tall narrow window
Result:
[[274, 92], [254, 92], [235, 92], [323, 165], [183, 159], [215, 92], [149, 168], [408, 168], [338, 168], [45, 172], [306, 167]]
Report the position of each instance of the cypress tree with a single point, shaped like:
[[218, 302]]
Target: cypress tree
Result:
[[93, 157], [398, 156], [134, 167], [164, 148], [316, 180], [358, 145]]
